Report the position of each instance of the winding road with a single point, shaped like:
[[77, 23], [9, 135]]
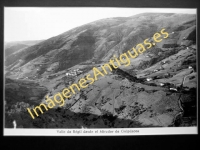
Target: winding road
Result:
[[179, 99]]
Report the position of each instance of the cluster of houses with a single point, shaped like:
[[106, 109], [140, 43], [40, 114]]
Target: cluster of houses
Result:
[[75, 72]]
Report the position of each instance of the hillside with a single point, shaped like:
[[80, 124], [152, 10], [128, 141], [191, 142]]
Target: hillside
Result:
[[99, 40]]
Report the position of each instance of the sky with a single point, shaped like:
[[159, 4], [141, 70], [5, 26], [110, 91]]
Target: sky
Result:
[[39, 23]]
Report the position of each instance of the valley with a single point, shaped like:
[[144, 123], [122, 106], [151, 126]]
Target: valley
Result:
[[157, 89]]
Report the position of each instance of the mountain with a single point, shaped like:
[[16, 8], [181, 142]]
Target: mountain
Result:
[[124, 96], [98, 40]]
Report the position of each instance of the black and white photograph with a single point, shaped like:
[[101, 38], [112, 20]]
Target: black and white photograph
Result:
[[93, 71]]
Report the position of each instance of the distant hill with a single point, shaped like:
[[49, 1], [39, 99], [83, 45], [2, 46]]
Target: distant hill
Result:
[[11, 47], [29, 43], [14, 48]]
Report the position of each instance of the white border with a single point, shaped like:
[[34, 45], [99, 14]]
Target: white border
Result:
[[107, 132], [101, 132]]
